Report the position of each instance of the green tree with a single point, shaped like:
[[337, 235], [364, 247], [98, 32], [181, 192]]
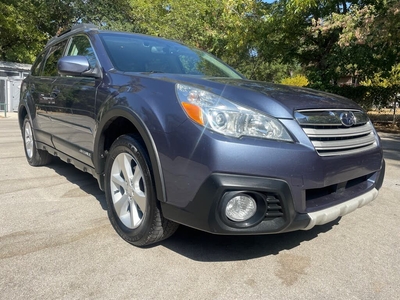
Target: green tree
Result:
[[26, 25], [221, 27], [230, 29], [322, 39], [390, 82], [20, 36], [366, 42], [333, 38]]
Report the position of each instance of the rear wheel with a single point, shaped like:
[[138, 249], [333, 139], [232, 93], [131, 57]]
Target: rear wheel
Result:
[[35, 157], [133, 208]]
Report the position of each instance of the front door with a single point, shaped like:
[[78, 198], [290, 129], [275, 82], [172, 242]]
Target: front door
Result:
[[72, 117]]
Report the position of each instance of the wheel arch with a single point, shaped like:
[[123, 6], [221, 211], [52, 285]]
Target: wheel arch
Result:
[[26, 107], [22, 113], [119, 121]]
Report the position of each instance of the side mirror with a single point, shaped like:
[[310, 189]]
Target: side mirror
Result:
[[76, 66]]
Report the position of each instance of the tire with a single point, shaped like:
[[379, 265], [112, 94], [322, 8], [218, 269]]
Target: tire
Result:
[[34, 156], [133, 209]]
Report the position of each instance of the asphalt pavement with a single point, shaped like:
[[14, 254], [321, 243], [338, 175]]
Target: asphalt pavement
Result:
[[56, 243]]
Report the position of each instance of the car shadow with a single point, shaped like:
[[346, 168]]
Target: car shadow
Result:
[[198, 245], [205, 247], [85, 181]]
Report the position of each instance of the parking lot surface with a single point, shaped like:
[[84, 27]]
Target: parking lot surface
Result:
[[56, 243]]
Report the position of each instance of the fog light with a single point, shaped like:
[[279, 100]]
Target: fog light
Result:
[[240, 208]]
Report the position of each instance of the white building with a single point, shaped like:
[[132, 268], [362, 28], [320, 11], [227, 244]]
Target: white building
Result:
[[11, 75]]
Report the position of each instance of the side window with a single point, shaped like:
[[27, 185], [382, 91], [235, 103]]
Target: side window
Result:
[[80, 45], [56, 52], [37, 66]]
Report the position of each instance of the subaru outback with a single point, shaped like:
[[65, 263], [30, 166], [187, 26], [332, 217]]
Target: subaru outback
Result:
[[175, 136]]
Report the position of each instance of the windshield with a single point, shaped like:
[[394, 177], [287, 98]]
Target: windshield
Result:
[[140, 53]]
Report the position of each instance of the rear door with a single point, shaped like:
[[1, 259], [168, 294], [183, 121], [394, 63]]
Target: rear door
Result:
[[40, 84]]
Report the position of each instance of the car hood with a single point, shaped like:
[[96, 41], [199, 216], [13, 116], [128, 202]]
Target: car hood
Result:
[[274, 99]]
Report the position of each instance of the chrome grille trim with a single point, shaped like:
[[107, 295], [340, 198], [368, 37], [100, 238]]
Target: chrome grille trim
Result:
[[352, 131], [327, 117], [330, 138]]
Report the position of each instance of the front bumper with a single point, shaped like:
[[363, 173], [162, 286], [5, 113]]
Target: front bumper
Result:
[[332, 213], [206, 212]]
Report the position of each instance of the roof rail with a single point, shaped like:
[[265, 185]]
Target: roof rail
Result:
[[80, 26], [76, 27]]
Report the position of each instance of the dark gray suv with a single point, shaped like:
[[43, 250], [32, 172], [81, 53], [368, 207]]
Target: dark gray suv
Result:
[[175, 136]]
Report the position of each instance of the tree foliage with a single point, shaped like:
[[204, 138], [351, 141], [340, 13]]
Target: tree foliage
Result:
[[335, 38], [20, 36], [226, 28], [26, 25], [324, 40]]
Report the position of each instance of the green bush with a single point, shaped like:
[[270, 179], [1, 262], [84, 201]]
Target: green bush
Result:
[[366, 96]]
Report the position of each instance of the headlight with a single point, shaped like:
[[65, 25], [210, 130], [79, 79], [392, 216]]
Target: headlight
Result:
[[223, 116]]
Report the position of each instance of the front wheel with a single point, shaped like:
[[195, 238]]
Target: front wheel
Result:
[[133, 208], [34, 156]]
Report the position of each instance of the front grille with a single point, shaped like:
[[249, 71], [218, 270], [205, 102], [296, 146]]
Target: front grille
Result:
[[274, 208], [331, 132]]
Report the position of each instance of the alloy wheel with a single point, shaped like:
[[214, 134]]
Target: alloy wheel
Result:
[[128, 190], [28, 140]]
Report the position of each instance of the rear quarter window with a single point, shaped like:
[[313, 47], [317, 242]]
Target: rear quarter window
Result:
[[37, 66]]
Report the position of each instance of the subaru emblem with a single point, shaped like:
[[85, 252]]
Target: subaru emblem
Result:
[[347, 118]]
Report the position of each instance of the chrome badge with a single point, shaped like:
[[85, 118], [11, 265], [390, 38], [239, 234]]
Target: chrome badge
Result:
[[347, 118]]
